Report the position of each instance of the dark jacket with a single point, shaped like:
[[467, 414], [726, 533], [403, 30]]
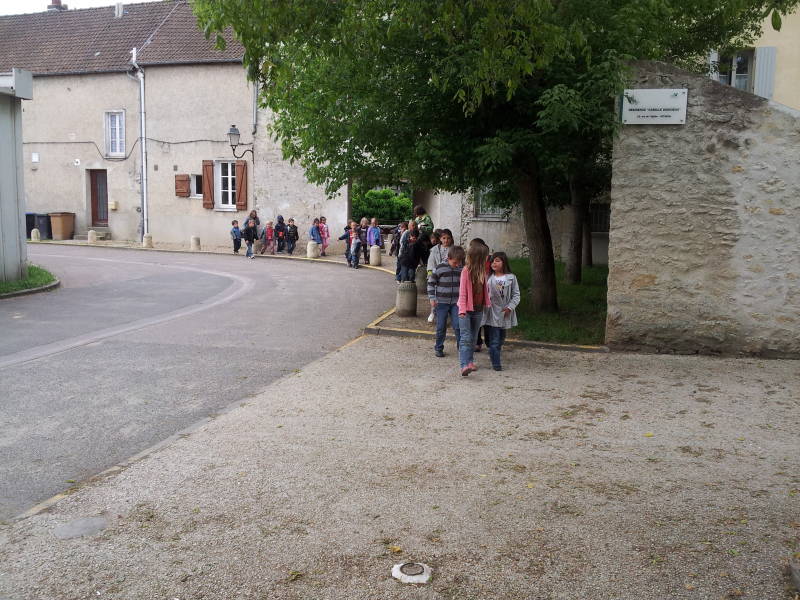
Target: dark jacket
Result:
[[280, 229], [291, 232], [412, 257], [250, 234]]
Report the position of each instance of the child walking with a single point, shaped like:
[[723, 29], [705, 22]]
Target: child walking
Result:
[[324, 234], [250, 235], [268, 236], [443, 285], [473, 295], [280, 234], [501, 313], [236, 236], [374, 237], [291, 236]]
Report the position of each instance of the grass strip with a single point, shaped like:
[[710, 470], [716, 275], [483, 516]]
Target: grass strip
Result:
[[582, 308], [37, 277]]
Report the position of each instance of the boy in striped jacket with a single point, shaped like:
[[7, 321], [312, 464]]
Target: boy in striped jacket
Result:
[[443, 285]]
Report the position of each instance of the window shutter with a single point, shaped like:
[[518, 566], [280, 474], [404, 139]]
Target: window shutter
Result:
[[241, 185], [208, 184], [764, 84], [182, 188]]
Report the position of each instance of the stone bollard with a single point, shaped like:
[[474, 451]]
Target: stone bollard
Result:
[[406, 301], [312, 250], [194, 244], [35, 235], [91, 237], [147, 240], [421, 278], [375, 256]]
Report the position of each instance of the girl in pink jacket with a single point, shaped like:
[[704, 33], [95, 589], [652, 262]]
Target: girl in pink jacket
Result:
[[473, 296]]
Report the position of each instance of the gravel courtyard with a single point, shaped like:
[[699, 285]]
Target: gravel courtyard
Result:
[[567, 476]]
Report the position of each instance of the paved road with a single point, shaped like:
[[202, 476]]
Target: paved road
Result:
[[135, 346]]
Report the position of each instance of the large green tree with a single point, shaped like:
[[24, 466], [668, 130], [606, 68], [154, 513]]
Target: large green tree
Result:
[[461, 94]]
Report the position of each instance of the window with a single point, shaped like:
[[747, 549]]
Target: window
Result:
[[225, 185], [737, 70], [484, 210], [600, 217], [196, 185], [115, 133]]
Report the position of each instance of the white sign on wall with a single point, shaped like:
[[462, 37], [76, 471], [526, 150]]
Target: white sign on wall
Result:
[[654, 107]]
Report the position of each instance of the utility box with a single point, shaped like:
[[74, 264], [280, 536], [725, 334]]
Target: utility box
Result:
[[15, 87]]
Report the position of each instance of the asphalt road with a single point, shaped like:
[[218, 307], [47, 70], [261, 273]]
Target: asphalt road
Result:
[[136, 346]]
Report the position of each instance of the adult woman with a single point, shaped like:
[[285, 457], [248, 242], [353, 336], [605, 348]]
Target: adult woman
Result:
[[423, 220]]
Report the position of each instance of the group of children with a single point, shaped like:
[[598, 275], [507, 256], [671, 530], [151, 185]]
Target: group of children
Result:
[[359, 237], [473, 290], [275, 237]]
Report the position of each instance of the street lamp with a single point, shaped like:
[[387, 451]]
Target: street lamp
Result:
[[233, 138]]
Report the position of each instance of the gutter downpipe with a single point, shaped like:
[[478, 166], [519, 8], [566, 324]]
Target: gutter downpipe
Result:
[[143, 138]]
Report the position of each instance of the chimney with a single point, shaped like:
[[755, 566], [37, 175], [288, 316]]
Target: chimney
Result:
[[118, 11], [55, 5]]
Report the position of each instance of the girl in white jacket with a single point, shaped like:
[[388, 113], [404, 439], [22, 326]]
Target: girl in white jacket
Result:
[[500, 314]]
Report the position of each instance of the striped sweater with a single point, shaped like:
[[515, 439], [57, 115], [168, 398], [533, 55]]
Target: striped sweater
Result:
[[443, 284]]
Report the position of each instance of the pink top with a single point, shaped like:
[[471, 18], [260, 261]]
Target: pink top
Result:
[[465, 293], [324, 232]]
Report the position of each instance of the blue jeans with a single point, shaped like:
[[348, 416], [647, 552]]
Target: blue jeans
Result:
[[468, 326], [407, 273], [249, 252], [495, 338], [442, 311], [354, 251], [290, 245]]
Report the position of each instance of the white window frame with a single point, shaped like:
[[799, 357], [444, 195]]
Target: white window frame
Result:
[[219, 199], [194, 191], [119, 150]]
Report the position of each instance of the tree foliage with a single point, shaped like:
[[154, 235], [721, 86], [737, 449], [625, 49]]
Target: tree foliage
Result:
[[386, 205], [459, 94]]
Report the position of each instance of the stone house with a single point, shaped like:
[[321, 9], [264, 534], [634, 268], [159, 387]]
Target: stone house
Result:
[[96, 72]]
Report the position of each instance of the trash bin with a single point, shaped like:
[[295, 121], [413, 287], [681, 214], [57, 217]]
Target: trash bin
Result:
[[43, 225], [30, 223], [62, 225]]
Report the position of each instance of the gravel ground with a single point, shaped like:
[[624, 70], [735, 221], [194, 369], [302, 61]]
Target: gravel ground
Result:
[[567, 476]]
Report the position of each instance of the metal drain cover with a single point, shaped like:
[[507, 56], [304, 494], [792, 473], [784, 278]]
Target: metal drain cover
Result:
[[412, 572]]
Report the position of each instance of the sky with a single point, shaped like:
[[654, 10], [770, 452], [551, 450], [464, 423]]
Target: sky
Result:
[[15, 7]]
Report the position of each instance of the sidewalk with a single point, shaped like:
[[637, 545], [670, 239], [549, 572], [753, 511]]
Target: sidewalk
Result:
[[568, 475]]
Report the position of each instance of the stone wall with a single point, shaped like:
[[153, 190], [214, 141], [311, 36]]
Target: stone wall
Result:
[[705, 244]]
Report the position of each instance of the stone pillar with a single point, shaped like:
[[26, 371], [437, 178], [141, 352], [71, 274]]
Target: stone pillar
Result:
[[312, 250], [147, 240], [421, 278], [195, 243], [375, 256], [406, 301], [35, 235], [91, 237]]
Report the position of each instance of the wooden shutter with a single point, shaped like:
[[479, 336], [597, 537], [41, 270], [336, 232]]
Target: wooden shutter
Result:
[[208, 184], [241, 185], [182, 187]]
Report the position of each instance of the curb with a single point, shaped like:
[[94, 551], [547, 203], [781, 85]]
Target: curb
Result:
[[216, 252], [42, 288]]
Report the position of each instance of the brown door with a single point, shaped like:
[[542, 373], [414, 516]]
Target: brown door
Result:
[[99, 186]]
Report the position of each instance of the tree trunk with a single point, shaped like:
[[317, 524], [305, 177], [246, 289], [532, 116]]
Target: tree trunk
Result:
[[575, 212], [588, 260], [540, 244]]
